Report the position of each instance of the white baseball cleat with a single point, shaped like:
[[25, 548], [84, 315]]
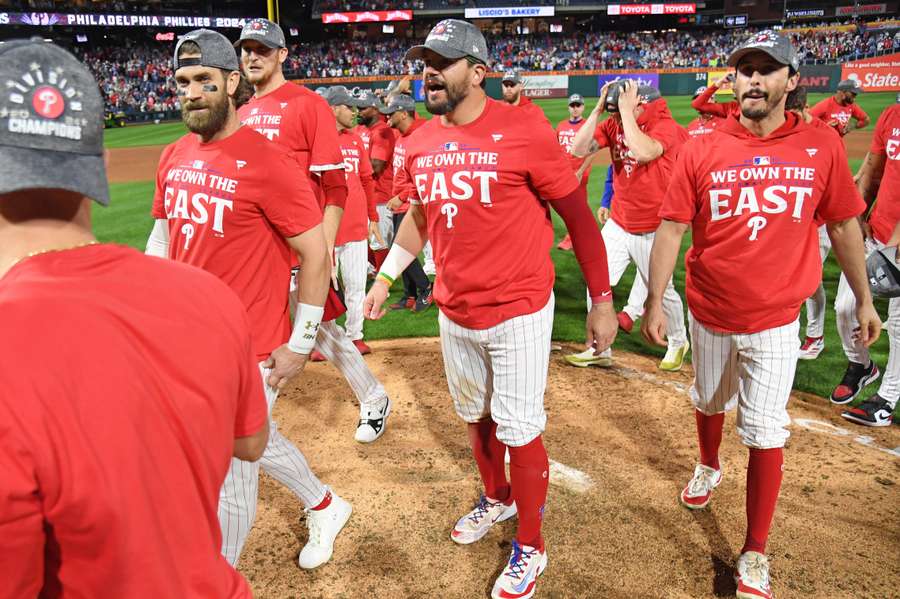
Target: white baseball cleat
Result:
[[698, 491], [324, 526], [519, 578], [373, 421], [811, 348], [474, 525], [752, 576]]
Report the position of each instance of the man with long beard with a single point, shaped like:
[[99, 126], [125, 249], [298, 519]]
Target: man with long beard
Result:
[[218, 208], [838, 110], [752, 192], [301, 122], [483, 174]]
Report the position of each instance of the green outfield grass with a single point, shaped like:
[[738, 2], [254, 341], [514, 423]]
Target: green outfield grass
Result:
[[127, 221]]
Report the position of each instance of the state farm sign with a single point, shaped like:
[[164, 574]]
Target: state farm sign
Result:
[[879, 74], [369, 16], [651, 9]]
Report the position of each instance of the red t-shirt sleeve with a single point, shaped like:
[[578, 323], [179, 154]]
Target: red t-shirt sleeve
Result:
[[858, 113], [700, 102], [381, 145], [326, 148], [21, 517], [681, 202], [252, 409], [549, 169], [820, 109], [878, 138], [840, 198], [287, 200], [159, 205]]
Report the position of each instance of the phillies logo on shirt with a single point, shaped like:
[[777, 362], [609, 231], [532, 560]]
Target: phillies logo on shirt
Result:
[[199, 197], [623, 154], [458, 174], [759, 190]]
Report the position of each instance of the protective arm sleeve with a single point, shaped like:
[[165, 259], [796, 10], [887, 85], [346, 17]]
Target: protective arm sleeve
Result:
[[334, 185], [590, 251], [158, 242], [368, 185]]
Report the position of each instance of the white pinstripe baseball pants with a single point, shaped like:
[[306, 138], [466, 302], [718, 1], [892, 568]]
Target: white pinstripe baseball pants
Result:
[[501, 372], [816, 304], [386, 226], [845, 310], [622, 248], [352, 260], [283, 461], [753, 372]]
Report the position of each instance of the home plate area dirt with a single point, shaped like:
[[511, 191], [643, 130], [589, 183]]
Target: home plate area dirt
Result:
[[624, 445]]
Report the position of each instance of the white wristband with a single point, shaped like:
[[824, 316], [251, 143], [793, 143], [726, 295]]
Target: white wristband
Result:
[[395, 263], [306, 327]]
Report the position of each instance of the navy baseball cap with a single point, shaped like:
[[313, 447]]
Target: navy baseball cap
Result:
[[51, 122], [215, 51], [266, 32]]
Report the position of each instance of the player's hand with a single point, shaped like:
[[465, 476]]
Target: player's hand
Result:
[[724, 82], [334, 275], [869, 324], [394, 203], [866, 230], [602, 215], [601, 327], [374, 302], [375, 231], [628, 98], [285, 365], [653, 324], [601, 104]]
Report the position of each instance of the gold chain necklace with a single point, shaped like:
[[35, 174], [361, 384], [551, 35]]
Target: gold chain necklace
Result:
[[49, 250]]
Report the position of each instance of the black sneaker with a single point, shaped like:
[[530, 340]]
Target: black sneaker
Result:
[[855, 380], [875, 411], [424, 301]]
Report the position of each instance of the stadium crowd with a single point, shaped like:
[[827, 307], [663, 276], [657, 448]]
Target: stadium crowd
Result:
[[137, 79]]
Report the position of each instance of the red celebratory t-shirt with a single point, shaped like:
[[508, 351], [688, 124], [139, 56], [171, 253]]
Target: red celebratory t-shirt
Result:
[[703, 125], [752, 204], [355, 220], [706, 104], [837, 116], [886, 142], [480, 186], [230, 204], [380, 140], [117, 425], [403, 187], [639, 188], [565, 133]]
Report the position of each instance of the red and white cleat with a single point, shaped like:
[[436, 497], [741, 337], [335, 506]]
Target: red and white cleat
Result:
[[696, 494]]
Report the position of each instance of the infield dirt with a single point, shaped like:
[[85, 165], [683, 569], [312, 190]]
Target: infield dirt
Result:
[[631, 430]]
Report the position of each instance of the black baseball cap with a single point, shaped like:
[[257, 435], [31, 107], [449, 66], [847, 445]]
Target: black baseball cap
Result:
[[453, 38], [51, 122], [266, 32], [398, 103], [215, 51], [774, 44]]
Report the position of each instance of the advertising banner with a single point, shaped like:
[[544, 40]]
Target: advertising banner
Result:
[[626, 10], [713, 76], [878, 74], [369, 16], [861, 9], [641, 78], [546, 86], [510, 12], [47, 19]]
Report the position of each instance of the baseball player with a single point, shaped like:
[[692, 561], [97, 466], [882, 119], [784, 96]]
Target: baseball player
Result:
[[218, 208], [565, 132], [751, 193], [479, 171], [360, 218], [705, 102], [643, 140], [379, 139], [303, 124], [417, 290], [879, 178], [706, 122], [511, 87], [814, 342], [839, 109], [114, 438]]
